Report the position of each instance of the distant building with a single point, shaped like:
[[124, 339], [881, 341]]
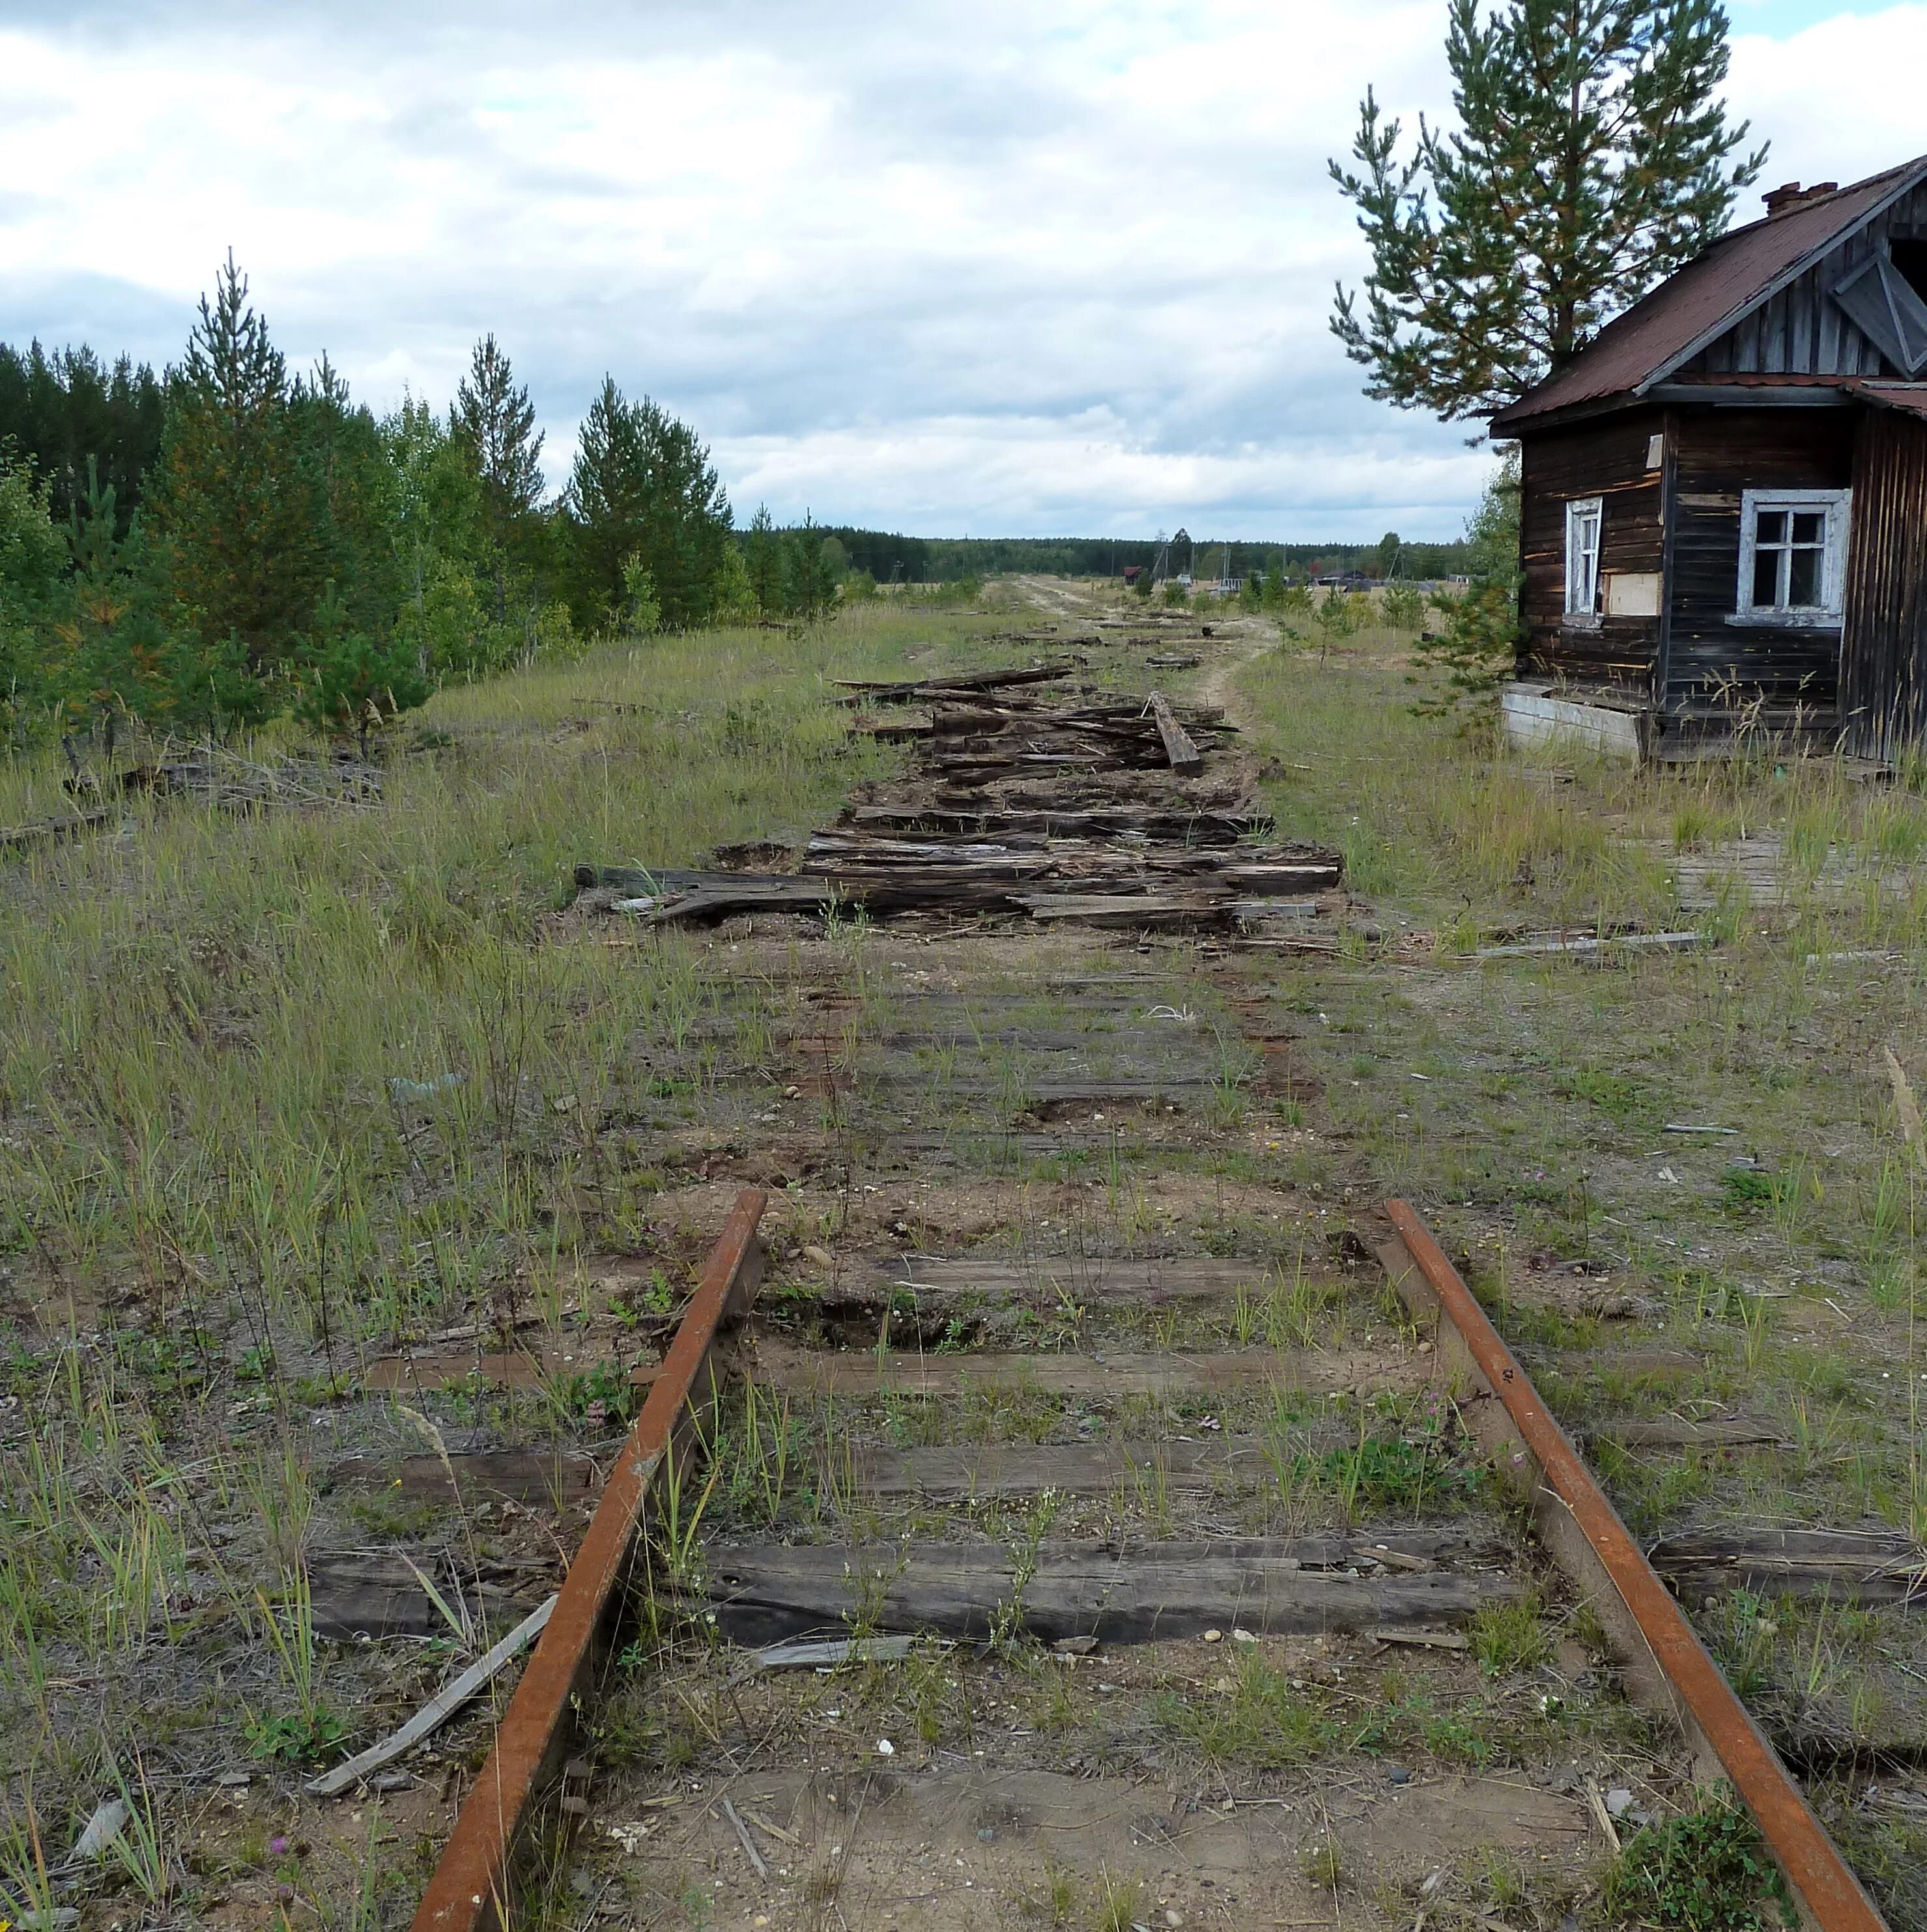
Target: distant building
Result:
[[1132, 572]]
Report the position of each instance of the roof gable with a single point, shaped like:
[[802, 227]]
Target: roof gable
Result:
[[1732, 279]]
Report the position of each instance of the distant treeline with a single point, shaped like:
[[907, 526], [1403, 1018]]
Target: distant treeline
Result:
[[889, 557], [224, 542]]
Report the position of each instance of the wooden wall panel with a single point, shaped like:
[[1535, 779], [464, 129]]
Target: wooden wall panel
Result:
[[1884, 677], [1604, 458], [1713, 666]]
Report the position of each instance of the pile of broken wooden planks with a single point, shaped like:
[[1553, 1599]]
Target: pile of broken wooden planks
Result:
[[1022, 805]]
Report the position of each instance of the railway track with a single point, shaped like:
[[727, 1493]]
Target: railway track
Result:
[[1065, 1521]]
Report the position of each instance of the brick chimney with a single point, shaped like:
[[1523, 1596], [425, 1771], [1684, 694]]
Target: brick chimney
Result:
[[1791, 195]]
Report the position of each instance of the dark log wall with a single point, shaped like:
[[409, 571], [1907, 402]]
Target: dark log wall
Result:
[[1714, 668], [1803, 331], [1606, 459], [1884, 678]]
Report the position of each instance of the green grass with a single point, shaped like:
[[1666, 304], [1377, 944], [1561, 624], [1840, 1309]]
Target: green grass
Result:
[[279, 1089]]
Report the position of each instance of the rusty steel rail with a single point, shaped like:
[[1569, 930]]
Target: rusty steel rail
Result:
[[1667, 1667], [473, 1885]]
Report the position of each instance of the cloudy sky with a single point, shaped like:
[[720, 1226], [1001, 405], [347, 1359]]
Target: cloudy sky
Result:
[[1022, 267]]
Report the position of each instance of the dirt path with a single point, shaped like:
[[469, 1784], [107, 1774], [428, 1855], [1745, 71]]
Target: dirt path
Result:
[[1236, 637]]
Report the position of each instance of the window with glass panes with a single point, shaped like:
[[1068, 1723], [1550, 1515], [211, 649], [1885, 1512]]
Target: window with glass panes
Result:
[[1583, 519], [1792, 548]]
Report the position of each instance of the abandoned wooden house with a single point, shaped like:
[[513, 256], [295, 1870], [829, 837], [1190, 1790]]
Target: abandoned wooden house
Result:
[[1724, 509]]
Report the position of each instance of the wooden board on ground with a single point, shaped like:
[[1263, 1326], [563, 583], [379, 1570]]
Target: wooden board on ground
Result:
[[1679, 1432], [1048, 1278], [513, 1475], [1184, 755], [1077, 1468], [782, 1366], [1841, 1565], [514, 1369], [764, 1592], [366, 1593]]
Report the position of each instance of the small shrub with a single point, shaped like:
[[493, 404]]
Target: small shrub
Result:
[[1263, 1721], [1120, 1901], [298, 1737], [1747, 1188], [1706, 1871]]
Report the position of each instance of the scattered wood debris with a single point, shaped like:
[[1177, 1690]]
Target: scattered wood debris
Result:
[[833, 1654], [1082, 808], [212, 777], [1591, 945], [437, 1712], [1841, 1565]]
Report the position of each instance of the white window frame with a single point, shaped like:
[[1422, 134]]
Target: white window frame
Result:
[[1837, 507], [1583, 579]]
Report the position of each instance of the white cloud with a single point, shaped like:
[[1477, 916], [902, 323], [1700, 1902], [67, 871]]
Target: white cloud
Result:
[[1012, 267]]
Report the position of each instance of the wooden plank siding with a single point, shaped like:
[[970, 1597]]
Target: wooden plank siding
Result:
[[1801, 331], [1713, 667], [1884, 677], [1606, 459]]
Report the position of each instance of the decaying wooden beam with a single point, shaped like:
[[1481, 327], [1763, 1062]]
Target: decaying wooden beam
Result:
[[763, 1593], [973, 680], [1841, 1565], [1184, 757]]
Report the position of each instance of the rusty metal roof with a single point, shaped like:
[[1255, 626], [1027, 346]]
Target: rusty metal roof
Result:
[[1744, 267], [1910, 397]]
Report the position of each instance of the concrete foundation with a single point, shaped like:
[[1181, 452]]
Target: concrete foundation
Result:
[[1534, 719]]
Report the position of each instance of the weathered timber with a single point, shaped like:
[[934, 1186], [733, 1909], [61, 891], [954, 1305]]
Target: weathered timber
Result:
[[654, 879], [972, 680], [783, 1365], [57, 831], [951, 721], [1193, 828], [513, 1475], [1095, 1277], [358, 1593], [764, 1593], [1129, 912], [833, 1655], [1678, 1432], [1841, 1565], [439, 1709], [498, 1368], [983, 1469], [1184, 757]]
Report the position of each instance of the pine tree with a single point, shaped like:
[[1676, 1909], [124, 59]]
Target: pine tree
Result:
[[352, 681], [763, 561], [69, 409], [642, 493], [496, 420], [233, 512], [353, 490], [1593, 157], [441, 557], [32, 556]]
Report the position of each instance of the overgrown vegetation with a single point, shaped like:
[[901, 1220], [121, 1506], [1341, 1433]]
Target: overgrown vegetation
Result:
[[1771, 1268], [1705, 1871], [204, 551]]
